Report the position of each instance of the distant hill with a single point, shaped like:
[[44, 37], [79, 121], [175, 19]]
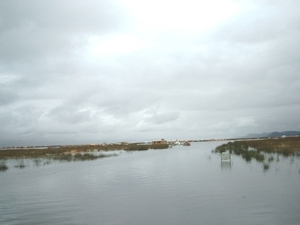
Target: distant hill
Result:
[[273, 134]]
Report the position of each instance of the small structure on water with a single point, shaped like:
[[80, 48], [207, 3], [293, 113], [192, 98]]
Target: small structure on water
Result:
[[161, 142], [226, 160], [225, 156], [179, 143]]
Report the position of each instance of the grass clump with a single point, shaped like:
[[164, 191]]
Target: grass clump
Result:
[[241, 148], [266, 166], [84, 157], [159, 146], [251, 149], [3, 166], [271, 159], [63, 157], [137, 148], [20, 164]]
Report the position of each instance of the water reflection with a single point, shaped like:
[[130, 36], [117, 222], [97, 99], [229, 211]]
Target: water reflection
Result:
[[226, 165], [175, 186], [225, 161]]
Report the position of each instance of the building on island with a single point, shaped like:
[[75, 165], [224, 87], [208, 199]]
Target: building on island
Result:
[[161, 142]]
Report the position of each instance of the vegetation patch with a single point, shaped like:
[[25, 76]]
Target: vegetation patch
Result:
[[284, 146], [3, 166], [242, 149], [20, 164], [137, 147], [160, 146], [254, 149], [266, 166], [64, 153]]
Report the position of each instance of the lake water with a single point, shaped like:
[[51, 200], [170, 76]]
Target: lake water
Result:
[[183, 185]]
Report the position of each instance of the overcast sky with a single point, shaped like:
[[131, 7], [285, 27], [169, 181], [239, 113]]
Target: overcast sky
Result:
[[103, 71]]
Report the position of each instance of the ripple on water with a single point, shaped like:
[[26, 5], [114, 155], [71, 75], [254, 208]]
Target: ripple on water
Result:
[[173, 186]]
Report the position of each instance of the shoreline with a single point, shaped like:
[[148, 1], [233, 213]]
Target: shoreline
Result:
[[63, 150]]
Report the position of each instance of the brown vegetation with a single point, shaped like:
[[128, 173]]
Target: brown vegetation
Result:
[[285, 146], [253, 149], [72, 149]]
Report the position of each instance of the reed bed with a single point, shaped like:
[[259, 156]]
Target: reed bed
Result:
[[37, 153], [262, 150]]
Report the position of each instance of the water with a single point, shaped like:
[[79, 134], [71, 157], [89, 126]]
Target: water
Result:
[[184, 185]]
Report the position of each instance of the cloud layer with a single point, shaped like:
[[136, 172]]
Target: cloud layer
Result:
[[88, 72]]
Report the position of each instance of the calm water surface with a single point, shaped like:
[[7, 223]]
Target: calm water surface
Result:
[[183, 185]]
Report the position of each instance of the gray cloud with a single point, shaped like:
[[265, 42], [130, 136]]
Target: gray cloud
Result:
[[162, 118], [80, 72]]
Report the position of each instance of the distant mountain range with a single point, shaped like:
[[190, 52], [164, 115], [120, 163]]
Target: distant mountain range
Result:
[[273, 134]]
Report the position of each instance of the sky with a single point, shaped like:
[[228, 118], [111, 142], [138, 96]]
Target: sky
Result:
[[77, 72]]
